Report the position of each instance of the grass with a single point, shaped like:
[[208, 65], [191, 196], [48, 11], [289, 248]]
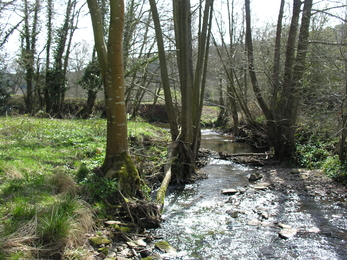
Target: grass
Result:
[[44, 165]]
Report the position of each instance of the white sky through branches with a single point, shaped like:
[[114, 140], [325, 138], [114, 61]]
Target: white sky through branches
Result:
[[264, 13]]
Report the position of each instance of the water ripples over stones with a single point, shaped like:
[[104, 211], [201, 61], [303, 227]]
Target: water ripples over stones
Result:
[[281, 216]]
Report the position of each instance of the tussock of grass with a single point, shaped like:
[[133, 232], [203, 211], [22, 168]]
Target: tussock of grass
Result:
[[40, 211], [63, 183], [44, 164]]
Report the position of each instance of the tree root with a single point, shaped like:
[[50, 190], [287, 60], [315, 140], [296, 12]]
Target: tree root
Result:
[[144, 214]]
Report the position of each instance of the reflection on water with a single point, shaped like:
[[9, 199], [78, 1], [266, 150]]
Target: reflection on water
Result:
[[216, 142]]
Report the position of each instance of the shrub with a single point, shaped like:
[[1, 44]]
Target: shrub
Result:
[[311, 155], [337, 171]]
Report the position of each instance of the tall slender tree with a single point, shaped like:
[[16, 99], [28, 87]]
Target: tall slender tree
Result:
[[49, 25], [29, 36], [117, 163], [164, 72], [56, 76], [343, 51], [192, 84]]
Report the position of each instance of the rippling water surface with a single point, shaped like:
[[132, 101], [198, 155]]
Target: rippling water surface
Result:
[[199, 218]]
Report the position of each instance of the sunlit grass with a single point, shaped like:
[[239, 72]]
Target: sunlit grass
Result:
[[142, 129], [38, 159], [43, 164]]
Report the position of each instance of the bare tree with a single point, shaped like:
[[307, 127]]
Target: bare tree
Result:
[[192, 83], [282, 114], [7, 28], [343, 51], [56, 76], [164, 72]]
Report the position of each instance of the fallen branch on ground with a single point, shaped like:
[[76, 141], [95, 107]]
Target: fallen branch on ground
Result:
[[167, 176]]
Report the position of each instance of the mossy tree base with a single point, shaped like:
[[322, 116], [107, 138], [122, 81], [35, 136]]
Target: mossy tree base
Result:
[[125, 173], [132, 191]]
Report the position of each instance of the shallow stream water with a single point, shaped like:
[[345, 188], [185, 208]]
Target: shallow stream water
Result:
[[206, 224]]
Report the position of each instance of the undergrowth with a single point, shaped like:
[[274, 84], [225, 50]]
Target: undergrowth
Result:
[[49, 192], [335, 169], [317, 151]]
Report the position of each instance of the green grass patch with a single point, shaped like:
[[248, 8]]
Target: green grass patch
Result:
[[142, 130], [45, 165]]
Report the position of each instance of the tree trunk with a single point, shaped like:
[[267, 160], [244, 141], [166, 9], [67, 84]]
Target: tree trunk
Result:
[[343, 136], [47, 96], [164, 73], [185, 165], [30, 38], [281, 119], [277, 58], [231, 86], [117, 163], [222, 115], [249, 45], [117, 141], [192, 87], [88, 109]]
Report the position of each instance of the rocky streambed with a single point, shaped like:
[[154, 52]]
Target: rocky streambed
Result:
[[285, 214], [243, 212]]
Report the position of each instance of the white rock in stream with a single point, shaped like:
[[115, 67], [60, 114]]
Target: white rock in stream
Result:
[[254, 222], [229, 192], [287, 233], [284, 226], [261, 186]]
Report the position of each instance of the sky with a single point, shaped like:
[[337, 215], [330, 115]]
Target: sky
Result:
[[266, 11], [263, 12]]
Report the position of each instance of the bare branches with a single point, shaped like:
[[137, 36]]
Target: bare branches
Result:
[[4, 36], [327, 43], [328, 12]]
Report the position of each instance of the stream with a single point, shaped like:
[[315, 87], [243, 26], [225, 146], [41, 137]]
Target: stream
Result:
[[279, 220]]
